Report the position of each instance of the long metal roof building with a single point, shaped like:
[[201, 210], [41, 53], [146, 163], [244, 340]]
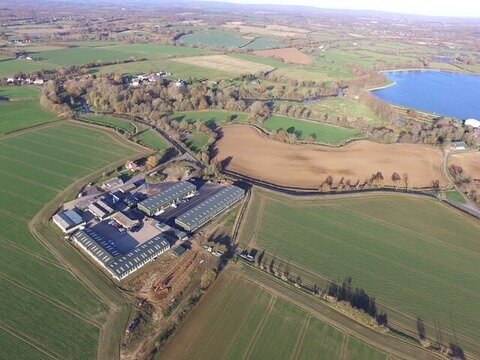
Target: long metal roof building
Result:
[[200, 214], [125, 265], [96, 246], [162, 200]]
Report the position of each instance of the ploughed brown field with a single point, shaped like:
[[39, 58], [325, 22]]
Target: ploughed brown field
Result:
[[470, 162], [289, 55], [244, 150]]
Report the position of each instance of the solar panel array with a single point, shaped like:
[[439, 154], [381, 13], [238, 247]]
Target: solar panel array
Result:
[[166, 197], [215, 204]]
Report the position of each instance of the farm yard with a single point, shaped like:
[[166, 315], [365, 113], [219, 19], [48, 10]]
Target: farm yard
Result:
[[407, 252], [49, 313], [258, 324], [302, 129], [20, 109], [288, 55], [307, 166]]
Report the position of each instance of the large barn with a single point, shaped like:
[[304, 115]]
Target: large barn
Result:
[[171, 196], [203, 212], [119, 266]]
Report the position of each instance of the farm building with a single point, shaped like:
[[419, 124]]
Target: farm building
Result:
[[68, 221], [459, 145], [100, 209], [211, 207], [112, 184], [171, 196], [119, 266], [125, 265], [100, 249], [124, 220]]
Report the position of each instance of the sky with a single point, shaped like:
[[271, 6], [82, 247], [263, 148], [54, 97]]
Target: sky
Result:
[[457, 8]]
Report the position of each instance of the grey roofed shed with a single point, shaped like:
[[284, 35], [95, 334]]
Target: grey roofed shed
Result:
[[96, 246], [141, 255], [165, 198], [200, 214]]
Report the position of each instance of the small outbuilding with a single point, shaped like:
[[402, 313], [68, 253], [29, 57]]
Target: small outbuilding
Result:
[[459, 145], [68, 221]]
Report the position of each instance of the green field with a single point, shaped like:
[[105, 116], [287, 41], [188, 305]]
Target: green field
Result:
[[98, 51], [46, 311], [121, 125], [211, 117], [196, 141], [21, 109], [344, 107], [151, 139], [416, 256], [214, 38], [239, 320], [262, 43], [323, 133], [454, 195]]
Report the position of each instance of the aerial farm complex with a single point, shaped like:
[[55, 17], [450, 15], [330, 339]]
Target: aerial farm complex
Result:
[[125, 227]]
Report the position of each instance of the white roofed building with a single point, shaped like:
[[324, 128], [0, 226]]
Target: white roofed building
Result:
[[473, 123]]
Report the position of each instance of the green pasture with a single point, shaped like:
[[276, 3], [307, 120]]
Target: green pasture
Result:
[[196, 141], [343, 107], [151, 139], [46, 311], [417, 257], [20, 109], [211, 117], [323, 133], [214, 38], [255, 324], [122, 125], [262, 43]]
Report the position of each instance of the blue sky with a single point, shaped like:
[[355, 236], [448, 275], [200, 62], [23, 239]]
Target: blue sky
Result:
[[459, 8]]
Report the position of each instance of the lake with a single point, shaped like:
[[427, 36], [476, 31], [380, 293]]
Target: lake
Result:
[[440, 92]]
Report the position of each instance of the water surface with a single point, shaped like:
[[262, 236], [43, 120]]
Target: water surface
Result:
[[443, 93]]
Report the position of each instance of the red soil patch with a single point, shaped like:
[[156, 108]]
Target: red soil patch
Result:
[[288, 55], [245, 151]]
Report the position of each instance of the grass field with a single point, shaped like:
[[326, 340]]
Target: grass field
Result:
[[417, 257], [21, 109], [211, 117], [214, 38], [99, 51], [122, 125], [454, 195], [196, 141], [152, 140], [261, 43], [323, 133], [46, 312], [238, 319], [339, 106]]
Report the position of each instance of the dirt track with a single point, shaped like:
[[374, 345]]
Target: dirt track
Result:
[[244, 150], [470, 162], [289, 55]]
